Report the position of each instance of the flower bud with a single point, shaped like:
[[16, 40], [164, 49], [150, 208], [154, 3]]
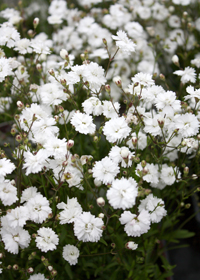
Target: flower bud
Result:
[[39, 67], [100, 201], [64, 54], [107, 88], [50, 267], [101, 215], [30, 270], [15, 267], [117, 80], [97, 183], [20, 105], [70, 144], [131, 245], [175, 60], [51, 72], [35, 22], [104, 41], [124, 153]]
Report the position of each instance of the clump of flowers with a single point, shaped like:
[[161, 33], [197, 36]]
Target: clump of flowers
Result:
[[100, 116]]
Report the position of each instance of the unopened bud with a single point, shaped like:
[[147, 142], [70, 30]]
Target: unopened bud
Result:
[[70, 144], [35, 22], [104, 41], [64, 54], [39, 67], [100, 201], [175, 60], [50, 267], [162, 77], [30, 270], [117, 80], [107, 88], [101, 215], [51, 72], [54, 273], [97, 183], [131, 245], [194, 176], [15, 267], [30, 33], [20, 105]]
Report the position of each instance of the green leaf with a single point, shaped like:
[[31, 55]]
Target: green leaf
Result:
[[103, 241], [68, 270]]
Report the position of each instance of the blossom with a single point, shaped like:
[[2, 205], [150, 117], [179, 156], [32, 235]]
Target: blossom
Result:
[[121, 155], [8, 192], [5, 69], [155, 207], [122, 193], [143, 79], [83, 123], [38, 208], [187, 75], [187, 124], [46, 239], [116, 129], [110, 110], [6, 167], [135, 225], [71, 210], [193, 93], [88, 228], [71, 254], [15, 238], [123, 42], [17, 217], [34, 163], [93, 106], [38, 276], [105, 170]]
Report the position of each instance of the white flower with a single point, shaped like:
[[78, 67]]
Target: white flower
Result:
[[135, 225], [17, 217], [94, 75], [83, 123], [123, 42], [88, 228], [8, 192], [71, 254], [5, 69], [46, 239], [143, 79], [15, 238], [37, 276], [35, 163], [121, 155], [38, 208], [28, 193], [116, 130], [155, 207], [122, 193], [6, 167], [110, 110], [187, 75], [71, 210], [105, 170], [167, 103], [193, 93], [187, 124], [93, 106]]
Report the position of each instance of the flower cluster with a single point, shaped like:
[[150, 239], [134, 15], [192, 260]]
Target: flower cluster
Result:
[[104, 115]]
